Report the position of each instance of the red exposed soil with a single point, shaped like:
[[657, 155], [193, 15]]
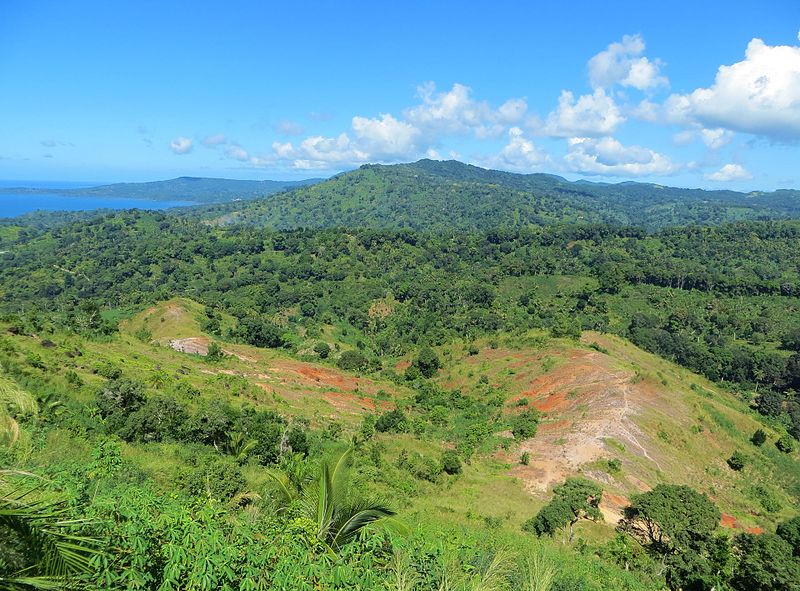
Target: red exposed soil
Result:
[[554, 402], [728, 521], [589, 401], [295, 380], [612, 506], [324, 376], [554, 426], [616, 500], [342, 402]]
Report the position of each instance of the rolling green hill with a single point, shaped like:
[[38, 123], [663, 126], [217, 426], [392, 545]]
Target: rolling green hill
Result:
[[447, 196]]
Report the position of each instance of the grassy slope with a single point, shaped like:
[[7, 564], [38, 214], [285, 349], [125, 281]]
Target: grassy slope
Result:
[[684, 427]]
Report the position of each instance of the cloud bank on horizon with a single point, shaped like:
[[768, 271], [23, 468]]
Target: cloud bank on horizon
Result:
[[758, 97]]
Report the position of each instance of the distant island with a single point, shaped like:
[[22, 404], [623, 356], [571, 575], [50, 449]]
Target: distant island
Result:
[[194, 189]]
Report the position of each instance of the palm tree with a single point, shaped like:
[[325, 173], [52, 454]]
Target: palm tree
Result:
[[328, 502], [40, 540]]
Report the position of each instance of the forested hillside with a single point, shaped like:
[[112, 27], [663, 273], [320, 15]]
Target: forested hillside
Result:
[[441, 196], [218, 406]]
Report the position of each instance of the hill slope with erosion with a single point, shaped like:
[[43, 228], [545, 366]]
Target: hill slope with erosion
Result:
[[613, 402], [611, 412]]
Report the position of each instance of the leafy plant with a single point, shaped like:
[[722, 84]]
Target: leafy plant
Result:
[[52, 552], [337, 513]]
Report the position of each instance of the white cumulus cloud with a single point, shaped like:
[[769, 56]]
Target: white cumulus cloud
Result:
[[419, 131], [758, 95], [181, 145], [730, 172], [623, 63], [589, 115], [519, 154], [607, 156], [716, 138], [456, 112], [385, 136], [319, 152]]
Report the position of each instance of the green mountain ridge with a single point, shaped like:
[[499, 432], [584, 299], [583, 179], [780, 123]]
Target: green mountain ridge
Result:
[[450, 195]]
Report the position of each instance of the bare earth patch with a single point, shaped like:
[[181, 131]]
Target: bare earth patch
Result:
[[586, 403], [199, 346]]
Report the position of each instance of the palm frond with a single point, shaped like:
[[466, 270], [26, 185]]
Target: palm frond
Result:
[[338, 517], [342, 463], [28, 583], [56, 554], [352, 519], [14, 397], [284, 493]]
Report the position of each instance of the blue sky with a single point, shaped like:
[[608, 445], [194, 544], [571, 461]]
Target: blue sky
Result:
[[681, 93]]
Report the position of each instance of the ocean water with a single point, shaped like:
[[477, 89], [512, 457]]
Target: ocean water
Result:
[[13, 204]]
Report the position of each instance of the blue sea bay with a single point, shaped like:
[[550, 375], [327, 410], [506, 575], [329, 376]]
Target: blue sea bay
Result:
[[13, 204]]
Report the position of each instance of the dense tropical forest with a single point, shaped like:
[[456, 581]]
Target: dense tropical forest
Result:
[[439, 196], [412, 377]]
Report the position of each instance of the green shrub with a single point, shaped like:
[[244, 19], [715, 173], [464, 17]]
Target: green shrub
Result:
[[428, 362], [352, 360], [322, 349], [789, 530], [108, 370], [525, 458], [160, 418], [451, 462], [525, 424], [217, 478], [117, 399], [215, 352], [759, 437], [785, 443], [259, 333], [766, 498], [737, 461], [412, 373], [393, 421]]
